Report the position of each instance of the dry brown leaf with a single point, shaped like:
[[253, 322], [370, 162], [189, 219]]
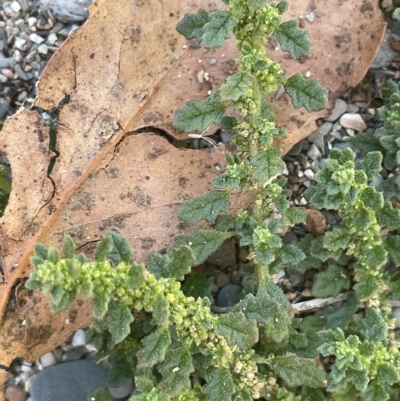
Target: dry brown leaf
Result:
[[125, 69]]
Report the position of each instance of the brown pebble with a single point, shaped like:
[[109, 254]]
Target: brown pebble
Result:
[[315, 222], [15, 393]]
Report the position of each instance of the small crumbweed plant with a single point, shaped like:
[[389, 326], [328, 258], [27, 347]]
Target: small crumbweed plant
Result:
[[164, 334]]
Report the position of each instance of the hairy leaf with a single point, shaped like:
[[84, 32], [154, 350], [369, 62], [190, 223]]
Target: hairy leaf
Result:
[[203, 243], [103, 248], [235, 86], [204, 207], [291, 254], [154, 347], [256, 4], [197, 116], [118, 319], [298, 371], [331, 282], [393, 247], [218, 28], [181, 259], [192, 25], [160, 311], [268, 165], [176, 370], [237, 329], [292, 39], [220, 387], [121, 251], [366, 287], [293, 216], [388, 216], [306, 92], [197, 286], [69, 247], [372, 164], [372, 198]]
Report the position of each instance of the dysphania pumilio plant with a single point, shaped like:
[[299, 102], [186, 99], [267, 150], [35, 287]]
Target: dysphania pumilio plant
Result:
[[165, 335]]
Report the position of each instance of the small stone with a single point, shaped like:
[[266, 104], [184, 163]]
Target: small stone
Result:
[[338, 110], [353, 121], [296, 149], [296, 278], [351, 108], [330, 218], [78, 338], [70, 11], [213, 61], [222, 279], [289, 238], [48, 360], [307, 292], [396, 313], [42, 49], [122, 391], [32, 21], [225, 256], [343, 145], [310, 17], [69, 381], [15, 393], [19, 43], [229, 295], [74, 353], [210, 270], [315, 222], [314, 153], [20, 72], [385, 54], [336, 135], [243, 253], [309, 174], [7, 73], [317, 137], [35, 38], [15, 6], [52, 38]]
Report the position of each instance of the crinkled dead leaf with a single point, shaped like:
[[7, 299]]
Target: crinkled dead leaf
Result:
[[125, 69]]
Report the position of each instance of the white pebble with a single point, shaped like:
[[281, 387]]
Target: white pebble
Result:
[[34, 37], [309, 174], [32, 21], [48, 360], [303, 202], [52, 38], [19, 43], [79, 338], [353, 121], [42, 49], [15, 6]]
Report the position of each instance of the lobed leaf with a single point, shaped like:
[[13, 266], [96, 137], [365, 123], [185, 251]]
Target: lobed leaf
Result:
[[197, 286], [219, 28], [331, 282], [203, 243], [69, 247], [298, 371], [366, 287], [388, 216], [121, 251], [192, 25], [181, 259], [306, 92], [291, 254], [292, 39], [204, 207], [118, 319], [393, 247], [103, 248], [235, 87], [155, 346], [237, 329], [268, 165], [176, 370], [293, 216], [220, 387], [197, 116], [255, 5], [372, 164]]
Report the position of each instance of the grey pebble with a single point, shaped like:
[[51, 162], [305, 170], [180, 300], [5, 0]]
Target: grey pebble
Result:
[[318, 136], [337, 111], [69, 381], [70, 11], [122, 391], [229, 295], [222, 279], [385, 54], [313, 152], [296, 149]]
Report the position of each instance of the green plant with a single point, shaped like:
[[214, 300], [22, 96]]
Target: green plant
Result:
[[165, 334]]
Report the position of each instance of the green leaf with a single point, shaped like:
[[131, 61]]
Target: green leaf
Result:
[[388, 216], [375, 391], [393, 247], [100, 394], [118, 320], [160, 310], [220, 387], [367, 142], [197, 116], [159, 265], [293, 216], [387, 373], [242, 395], [331, 282], [219, 28], [268, 165], [366, 287], [337, 239], [319, 250], [204, 207], [197, 286], [372, 164], [372, 198], [203, 243], [203, 365], [41, 251], [292, 39], [306, 92], [103, 248], [291, 254], [228, 123], [154, 347], [136, 276], [176, 370], [123, 363], [298, 371], [237, 329], [362, 219], [69, 247], [103, 342], [235, 86], [192, 25], [181, 261], [121, 251], [374, 327], [376, 256], [255, 5]]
